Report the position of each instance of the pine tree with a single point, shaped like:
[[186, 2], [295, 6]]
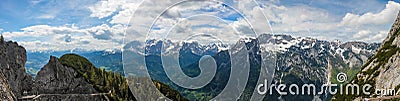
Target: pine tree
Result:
[[1, 39]]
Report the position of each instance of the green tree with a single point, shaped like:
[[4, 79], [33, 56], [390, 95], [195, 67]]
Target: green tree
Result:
[[1, 39]]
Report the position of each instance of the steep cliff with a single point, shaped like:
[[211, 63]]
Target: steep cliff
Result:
[[12, 65], [63, 83], [383, 69], [6, 94]]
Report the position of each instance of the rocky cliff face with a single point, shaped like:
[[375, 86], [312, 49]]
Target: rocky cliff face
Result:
[[54, 81], [12, 65], [389, 65], [54, 78], [382, 70], [6, 94], [69, 78], [63, 83]]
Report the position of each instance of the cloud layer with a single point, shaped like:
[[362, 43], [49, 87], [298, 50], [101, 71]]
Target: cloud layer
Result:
[[218, 19]]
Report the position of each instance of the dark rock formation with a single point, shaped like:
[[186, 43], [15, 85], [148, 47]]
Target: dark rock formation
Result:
[[12, 65], [6, 93], [56, 81], [54, 78]]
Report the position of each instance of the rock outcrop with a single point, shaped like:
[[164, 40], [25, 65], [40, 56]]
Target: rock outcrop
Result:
[[53, 82], [6, 94], [54, 78], [69, 78], [58, 82], [12, 65], [383, 69]]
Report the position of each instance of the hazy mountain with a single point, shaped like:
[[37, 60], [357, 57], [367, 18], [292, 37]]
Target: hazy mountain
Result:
[[110, 60]]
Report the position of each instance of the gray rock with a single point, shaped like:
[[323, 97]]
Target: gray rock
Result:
[[57, 82], [12, 65], [383, 71], [53, 82], [6, 94]]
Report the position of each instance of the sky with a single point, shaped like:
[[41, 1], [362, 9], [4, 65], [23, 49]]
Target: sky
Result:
[[43, 25]]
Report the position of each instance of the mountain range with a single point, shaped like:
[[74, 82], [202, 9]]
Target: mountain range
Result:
[[300, 60], [110, 60]]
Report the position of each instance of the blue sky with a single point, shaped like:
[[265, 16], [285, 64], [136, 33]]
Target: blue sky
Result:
[[41, 23], [18, 14]]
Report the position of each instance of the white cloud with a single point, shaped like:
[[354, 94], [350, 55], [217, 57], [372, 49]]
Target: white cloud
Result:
[[386, 16], [362, 34], [148, 11], [104, 8], [302, 20], [46, 16], [45, 37], [369, 36], [34, 2], [123, 8], [371, 27]]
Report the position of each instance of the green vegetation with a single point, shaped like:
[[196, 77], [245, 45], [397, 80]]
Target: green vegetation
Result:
[[169, 92], [105, 81], [1, 39], [141, 87], [101, 80], [381, 57]]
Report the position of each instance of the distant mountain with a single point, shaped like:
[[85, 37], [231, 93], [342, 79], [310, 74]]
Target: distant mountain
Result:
[[307, 61], [382, 69], [300, 60], [110, 60]]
